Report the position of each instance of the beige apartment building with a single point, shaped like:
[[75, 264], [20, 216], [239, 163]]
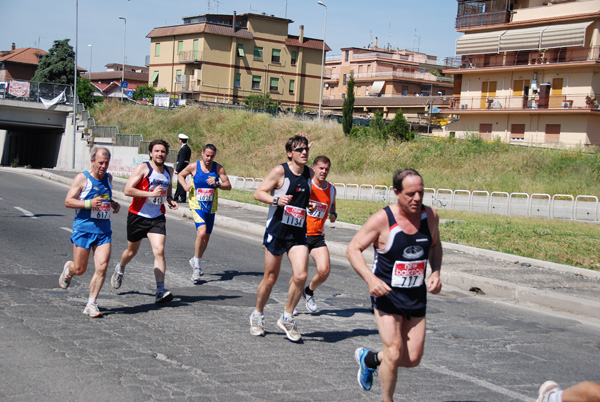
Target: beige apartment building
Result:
[[386, 80], [529, 71], [226, 58]]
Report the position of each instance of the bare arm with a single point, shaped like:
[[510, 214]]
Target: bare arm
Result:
[[434, 284], [115, 205], [225, 184], [188, 170], [138, 174], [273, 180], [72, 200], [366, 236], [172, 204], [332, 209]]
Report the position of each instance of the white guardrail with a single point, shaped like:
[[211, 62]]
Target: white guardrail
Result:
[[557, 206]]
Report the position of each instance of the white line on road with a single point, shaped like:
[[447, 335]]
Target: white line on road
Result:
[[482, 383], [26, 213], [67, 229]]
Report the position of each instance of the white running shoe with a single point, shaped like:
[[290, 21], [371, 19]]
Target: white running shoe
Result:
[[197, 273], [311, 304], [290, 329], [545, 390], [64, 280], [92, 310], [257, 323]]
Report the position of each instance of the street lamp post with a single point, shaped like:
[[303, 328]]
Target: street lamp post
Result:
[[90, 72], [322, 58], [75, 82], [124, 38]]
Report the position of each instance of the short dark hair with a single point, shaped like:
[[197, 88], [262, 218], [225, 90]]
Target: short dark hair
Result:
[[294, 142], [211, 147], [401, 174], [321, 158], [158, 142], [95, 151]]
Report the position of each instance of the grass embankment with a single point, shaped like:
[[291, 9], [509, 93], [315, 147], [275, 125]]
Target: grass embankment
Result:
[[251, 144]]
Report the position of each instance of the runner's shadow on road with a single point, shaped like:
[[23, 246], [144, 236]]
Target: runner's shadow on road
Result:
[[349, 312], [178, 301], [228, 276], [337, 336]]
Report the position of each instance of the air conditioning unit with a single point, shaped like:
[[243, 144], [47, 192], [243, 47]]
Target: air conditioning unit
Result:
[[197, 74], [464, 106]]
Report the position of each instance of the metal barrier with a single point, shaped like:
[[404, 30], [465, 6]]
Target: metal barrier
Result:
[[559, 206]]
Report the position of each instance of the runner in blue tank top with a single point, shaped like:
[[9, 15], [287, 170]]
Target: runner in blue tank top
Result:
[[90, 195], [405, 236], [208, 177], [287, 190]]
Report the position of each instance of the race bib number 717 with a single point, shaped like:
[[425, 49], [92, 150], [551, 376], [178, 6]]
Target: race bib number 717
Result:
[[408, 274]]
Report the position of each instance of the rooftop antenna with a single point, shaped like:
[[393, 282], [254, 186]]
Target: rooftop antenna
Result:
[[389, 35], [252, 9], [286, 1], [218, 2], [417, 42]]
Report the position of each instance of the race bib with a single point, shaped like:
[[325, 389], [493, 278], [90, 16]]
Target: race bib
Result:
[[320, 211], [157, 200], [293, 216], [205, 194], [101, 212], [408, 274]]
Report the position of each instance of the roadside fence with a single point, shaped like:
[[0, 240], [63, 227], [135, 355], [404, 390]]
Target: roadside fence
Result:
[[558, 206]]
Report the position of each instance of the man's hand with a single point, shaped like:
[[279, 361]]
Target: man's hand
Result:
[[434, 284], [115, 206], [377, 287], [157, 192], [172, 204]]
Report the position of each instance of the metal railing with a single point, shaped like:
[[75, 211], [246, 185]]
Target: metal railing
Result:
[[189, 56], [571, 101], [482, 19], [557, 206], [32, 91]]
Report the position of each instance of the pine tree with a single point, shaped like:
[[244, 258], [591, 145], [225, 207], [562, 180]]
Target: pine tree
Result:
[[348, 107], [399, 128], [57, 65]]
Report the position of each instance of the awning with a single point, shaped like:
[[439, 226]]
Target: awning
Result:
[[376, 88], [521, 39], [154, 76], [564, 35], [478, 43]]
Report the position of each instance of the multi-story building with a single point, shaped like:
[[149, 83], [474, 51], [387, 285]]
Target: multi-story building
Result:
[[529, 71], [387, 80], [19, 64], [226, 58]]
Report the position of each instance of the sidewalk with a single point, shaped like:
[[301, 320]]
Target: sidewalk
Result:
[[522, 280]]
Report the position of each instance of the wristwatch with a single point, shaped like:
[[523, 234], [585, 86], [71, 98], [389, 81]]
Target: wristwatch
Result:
[[275, 200]]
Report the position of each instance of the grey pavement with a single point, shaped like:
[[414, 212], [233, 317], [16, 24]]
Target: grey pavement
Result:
[[527, 281]]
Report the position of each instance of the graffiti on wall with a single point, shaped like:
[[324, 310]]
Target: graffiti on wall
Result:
[[124, 167]]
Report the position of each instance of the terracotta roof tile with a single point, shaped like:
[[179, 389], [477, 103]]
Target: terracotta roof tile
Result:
[[25, 55], [199, 28], [308, 43]]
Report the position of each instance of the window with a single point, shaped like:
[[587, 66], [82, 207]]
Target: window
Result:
[[258, 53], [276, 56], [294, 57], [292, 84], [180, 47], [240, 50], [552, 132], [346, 55], [345, 77], [178, 75], [238, 79], [154, 79], [256, 82], [517, 132], [485, 131], [157, 49], [274, 84], [404, 90], [195, 49]]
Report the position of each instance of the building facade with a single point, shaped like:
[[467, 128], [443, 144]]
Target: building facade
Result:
[[226, 58], [528, 71], [19, 64], [387, 80], [108, 83]]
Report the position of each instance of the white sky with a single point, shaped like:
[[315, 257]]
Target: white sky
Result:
[[424, 25]]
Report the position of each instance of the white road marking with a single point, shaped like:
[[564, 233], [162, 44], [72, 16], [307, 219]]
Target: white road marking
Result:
[[67, 229], [26, 213], [481, 383]]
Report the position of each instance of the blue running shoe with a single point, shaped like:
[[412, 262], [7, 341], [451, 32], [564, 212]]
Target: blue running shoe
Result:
[[365, 374]]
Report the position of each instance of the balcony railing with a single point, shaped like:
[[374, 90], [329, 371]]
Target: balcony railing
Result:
[[188, 83], [532, 102], [190, 56], [401, 74], [527, 58], [482, 19]]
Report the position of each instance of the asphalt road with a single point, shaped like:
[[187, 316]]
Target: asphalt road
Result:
[[199, 348]]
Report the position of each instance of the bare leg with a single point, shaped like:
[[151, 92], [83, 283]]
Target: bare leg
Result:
[[272, 268], [202, 239], [298, 256], [157, 242], [129, 253], [403, 342], [586, 391], [80, 260], [321, 257], [101, 258]]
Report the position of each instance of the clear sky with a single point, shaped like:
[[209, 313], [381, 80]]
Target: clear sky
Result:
[[427, 26]]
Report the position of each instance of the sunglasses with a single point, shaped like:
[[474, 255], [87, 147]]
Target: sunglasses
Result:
[[301, 149]]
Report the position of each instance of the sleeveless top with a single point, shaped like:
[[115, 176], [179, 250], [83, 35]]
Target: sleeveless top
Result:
[[289, 222], [151, 207], [96, 220], [202, 195], [402, 262], [323, 197]]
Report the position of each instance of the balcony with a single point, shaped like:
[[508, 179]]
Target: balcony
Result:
[[531, 103], [190, 57], [402, 75], [188, 84], [528, 58], [482, 19]]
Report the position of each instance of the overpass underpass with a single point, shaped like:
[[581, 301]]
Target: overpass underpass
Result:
[[30, 134]]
